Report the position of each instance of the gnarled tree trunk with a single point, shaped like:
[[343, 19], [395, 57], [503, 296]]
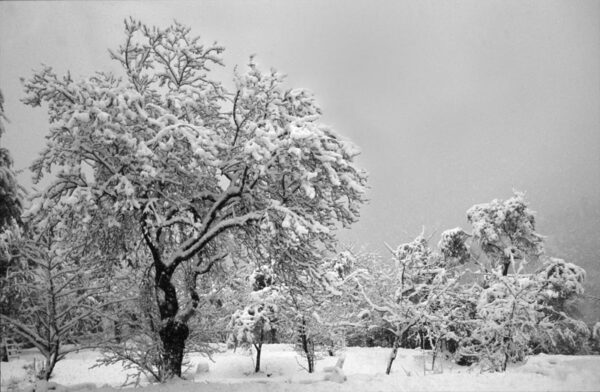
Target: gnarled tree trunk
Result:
[[173, 332], [173, 335]]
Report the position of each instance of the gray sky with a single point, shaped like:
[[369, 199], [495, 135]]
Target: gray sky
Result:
[[452, 103]]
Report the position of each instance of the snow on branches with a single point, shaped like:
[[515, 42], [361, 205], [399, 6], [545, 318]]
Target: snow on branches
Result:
[[251, 324], [11, 194], [166, 144], [257, 322], [505, 231], [561, 280], [491, 314], [453, 246], [165, 150]]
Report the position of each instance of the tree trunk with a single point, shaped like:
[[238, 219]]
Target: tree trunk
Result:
[[392, 355], [311, 363], [258, 348], [117, 331], [173, 335], [307, 347], [50, 363], [3, 352], [51, 359], [173, 332], [505, 267]]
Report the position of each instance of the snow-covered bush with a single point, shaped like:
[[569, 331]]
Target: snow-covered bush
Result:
[[453, 247], [563, 336], [560, 280], [560, 283], [507, 322]]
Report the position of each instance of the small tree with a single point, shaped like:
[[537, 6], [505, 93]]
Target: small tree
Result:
[[253, 325], [307, 296], [418, 281], [507, 322], [304, 327], [60, 299]]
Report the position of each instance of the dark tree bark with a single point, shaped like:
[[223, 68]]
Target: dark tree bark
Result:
[[173, 333], [117, 331], [505, 266], [273, 336], [50, 364], [3, 353], [307, 347], [258, 348]]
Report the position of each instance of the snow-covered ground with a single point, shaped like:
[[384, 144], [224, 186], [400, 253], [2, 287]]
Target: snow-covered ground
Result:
[[364, 367]]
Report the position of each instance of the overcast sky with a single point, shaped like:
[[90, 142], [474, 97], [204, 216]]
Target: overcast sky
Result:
[[451, 103]]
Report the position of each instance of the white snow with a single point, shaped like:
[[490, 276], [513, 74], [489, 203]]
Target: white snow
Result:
[[364, 368]]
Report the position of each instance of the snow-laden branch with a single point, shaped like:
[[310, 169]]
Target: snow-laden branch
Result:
[[28, 333], [194, 245]]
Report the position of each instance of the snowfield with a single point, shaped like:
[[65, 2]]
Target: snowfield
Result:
[[364, 369]]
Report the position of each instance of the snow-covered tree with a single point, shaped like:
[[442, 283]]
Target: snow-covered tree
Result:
[[10, 192], [480, 295], [560, 281], [310, 308], [505, 231], [60, 292], [11, 196], [417, 284], [253, 325], [294, 297], [560, 284], [339, 306], [506, 322], [190, 168], [518, 310]]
